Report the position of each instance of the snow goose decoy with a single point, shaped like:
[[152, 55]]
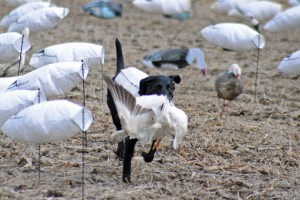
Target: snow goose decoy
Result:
[[104, 9], [228, 84], [20, 2], [13, 47], [40, 20], [290, 65], [13, 102], [48, 121], [224, 6], [260, 11], [175, 59], [18, 12], [147, 118], [176, 9], [53, 79], [284, 21], [91, 54]]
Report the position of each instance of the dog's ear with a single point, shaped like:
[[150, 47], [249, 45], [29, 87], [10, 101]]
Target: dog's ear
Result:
[[176, 78], [143, 85]]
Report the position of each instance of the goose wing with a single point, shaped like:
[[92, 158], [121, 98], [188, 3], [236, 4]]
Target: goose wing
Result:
[[138, 116], [168, 55]]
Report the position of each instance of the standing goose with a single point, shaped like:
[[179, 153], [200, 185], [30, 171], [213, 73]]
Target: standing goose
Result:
[[175, 59], [228, 84]]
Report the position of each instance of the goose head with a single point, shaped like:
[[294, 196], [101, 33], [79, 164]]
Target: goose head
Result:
[[236, 70], [198, 55]]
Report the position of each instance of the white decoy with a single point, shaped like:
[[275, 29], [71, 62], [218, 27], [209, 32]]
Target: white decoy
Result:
[[53, 79], [178, 9], [175, 59], [10, 45], [261, 11], [5, 82], [49, 121], [294, 2], [91, 54], [233, 36], [284, 21], [20, 2], [290, 65], [228, 84], [224, 6], [40, 20], [13, 102], [148, 117], [18, 12]]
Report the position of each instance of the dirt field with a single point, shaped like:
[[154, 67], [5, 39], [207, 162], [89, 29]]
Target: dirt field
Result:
[[252, 153]]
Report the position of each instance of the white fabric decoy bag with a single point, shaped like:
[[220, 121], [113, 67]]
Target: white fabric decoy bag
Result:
[[286, 20], [18, 12], [290, 65], [233, 36], [13, 102], [130, 79], [40, 20], [10, 46], [50, 121], [53, 79], [20, 2], [91, 54], [5, 82]]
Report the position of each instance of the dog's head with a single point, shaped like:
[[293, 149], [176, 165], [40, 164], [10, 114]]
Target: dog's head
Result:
[[160, 85]]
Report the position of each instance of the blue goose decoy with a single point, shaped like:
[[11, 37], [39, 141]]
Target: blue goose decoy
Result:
[[104, 9], [175, 59]]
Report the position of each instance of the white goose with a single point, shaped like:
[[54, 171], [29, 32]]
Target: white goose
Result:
[[91, 54], [290, 65], [175, 59], [284, 21], [40, 20], [16, 13], [147, 118]]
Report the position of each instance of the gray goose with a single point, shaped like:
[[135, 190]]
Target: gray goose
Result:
[[228, 85]]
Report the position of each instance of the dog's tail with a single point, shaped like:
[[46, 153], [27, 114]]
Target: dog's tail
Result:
[[120, 59]]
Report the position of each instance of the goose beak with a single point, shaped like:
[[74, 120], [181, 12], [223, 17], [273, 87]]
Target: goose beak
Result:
[[203, 71], [238, 76]]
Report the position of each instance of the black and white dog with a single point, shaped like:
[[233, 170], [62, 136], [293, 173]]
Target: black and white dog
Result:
[[160, 85]]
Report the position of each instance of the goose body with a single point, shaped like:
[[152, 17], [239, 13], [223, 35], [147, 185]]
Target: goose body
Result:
[[104, 9], [177, 9], [40, 20], [233, 36], [224, 6], [49, 121], [290, 65], [286, 20], [53, 79], [294, 2], [148, 117], [228, 84], [18, 12], [92, 54], [5, 82], [175, 59]]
